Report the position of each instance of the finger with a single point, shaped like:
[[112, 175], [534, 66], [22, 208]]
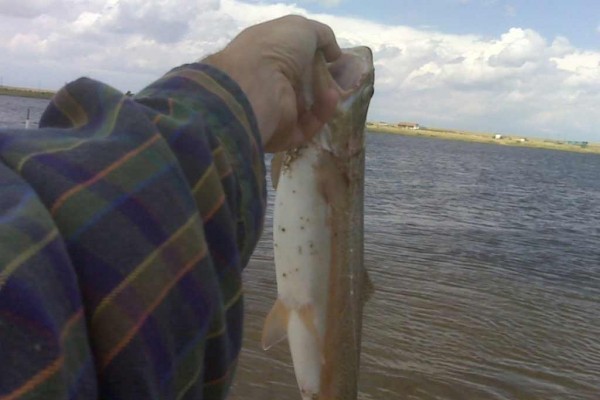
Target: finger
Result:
[[326, 41], [325, 105], [307, 125], [311, 122]]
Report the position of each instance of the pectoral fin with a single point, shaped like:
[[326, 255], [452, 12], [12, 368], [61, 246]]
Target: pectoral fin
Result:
[[275, 328], [276, 163]]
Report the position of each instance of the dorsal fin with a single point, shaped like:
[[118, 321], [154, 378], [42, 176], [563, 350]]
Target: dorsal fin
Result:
[[368, 288]]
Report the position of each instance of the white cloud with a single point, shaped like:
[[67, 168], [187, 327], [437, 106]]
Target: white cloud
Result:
[[330, 3], [159, 20], [26, 8], [516, 47], [324, 3], [519, 82]]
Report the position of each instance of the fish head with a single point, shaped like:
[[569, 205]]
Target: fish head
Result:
[[353, 76]]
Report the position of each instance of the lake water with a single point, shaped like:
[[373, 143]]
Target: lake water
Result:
[[486, 263], [13, 111]]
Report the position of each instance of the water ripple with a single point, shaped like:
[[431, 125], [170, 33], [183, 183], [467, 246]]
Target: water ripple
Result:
[[487, 272]]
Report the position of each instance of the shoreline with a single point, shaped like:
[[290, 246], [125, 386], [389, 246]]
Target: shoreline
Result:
[[480, 137], [26, 92], [444, 134]]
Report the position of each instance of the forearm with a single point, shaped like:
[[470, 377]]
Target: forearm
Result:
[[195, 107]]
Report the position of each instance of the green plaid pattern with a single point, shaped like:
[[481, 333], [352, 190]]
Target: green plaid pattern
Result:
[[124, 227]]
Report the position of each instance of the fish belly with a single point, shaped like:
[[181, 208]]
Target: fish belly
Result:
[[301, 235], [302, 251]]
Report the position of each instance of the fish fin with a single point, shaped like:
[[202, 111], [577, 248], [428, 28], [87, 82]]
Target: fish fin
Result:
[[276, 163], [275, 328], [368, 287], [307, 316]]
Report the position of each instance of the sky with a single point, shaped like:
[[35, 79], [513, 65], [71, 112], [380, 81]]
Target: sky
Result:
[[517, 67]]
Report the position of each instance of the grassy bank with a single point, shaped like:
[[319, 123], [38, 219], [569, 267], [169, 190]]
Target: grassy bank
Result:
[[25, 92], [480, 137]]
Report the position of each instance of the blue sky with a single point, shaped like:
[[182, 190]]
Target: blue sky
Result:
[[579, 20], [517, 67]]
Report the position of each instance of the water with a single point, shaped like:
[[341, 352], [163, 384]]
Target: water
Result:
[[486, 262], [13, 111]]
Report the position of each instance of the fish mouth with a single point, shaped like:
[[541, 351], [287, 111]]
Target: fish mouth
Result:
[[353, 72]]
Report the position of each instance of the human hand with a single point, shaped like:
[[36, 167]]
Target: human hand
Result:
[[268, 61]]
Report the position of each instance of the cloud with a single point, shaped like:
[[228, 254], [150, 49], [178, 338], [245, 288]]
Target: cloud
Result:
[[329, 3], [324, 3], [519, 82], [518, 46], [154, 19], [26, 8]]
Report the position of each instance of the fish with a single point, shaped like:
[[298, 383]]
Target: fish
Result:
[[322, 283]]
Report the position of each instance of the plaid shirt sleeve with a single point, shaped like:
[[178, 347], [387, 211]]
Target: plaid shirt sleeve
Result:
[[124, 227]]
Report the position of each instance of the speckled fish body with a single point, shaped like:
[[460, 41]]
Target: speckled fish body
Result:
[[318, 241]]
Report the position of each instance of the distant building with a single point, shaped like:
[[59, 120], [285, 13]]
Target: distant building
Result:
[[497, 136], [408, 125]]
